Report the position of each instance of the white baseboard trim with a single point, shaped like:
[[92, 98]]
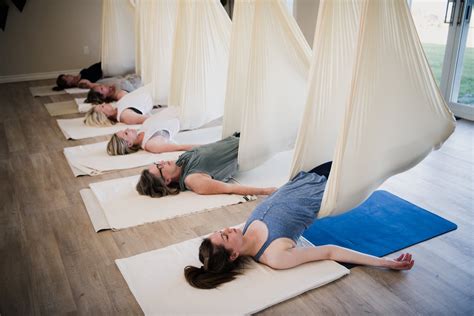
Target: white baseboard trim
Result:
[[37, 76]]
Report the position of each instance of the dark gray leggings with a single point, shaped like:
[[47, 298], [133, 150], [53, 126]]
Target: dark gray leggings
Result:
[[322, 170]]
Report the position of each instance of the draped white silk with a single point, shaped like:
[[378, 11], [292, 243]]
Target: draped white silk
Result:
[[266, 87], [155, 23], [373, 105], [200, 60], [118, 37]]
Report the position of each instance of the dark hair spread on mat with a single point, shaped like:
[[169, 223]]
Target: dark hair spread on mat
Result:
[[61, 83], [217, 267], [155, 186], [95, 97]]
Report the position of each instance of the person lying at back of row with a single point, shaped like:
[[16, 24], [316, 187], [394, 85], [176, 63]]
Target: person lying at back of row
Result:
[[113, 89], [155, 135], [134, 109], [85, 79], [204, 170], [270, 235]]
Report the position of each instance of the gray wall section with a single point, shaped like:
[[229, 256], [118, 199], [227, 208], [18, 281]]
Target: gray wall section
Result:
[[306, 13], [50, 35]]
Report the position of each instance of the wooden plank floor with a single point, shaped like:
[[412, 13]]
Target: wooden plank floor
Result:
[[52, 261]]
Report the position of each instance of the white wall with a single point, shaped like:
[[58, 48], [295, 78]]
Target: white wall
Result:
[[49, 36]]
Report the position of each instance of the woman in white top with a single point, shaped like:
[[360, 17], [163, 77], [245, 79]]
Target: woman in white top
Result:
[[133, 108], [155, 136], [111, 89]]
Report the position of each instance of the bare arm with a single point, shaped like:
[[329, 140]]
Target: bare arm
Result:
[[295, 256], [203, 184], [130, 117], [120, 94], [86, 84], [162, 147]]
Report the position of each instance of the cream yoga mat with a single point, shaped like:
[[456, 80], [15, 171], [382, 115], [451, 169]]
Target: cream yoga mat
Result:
[[157, 281], [93, 159], [119, 205], [76, 129], [81, 106], [42, 91], [61, 108], [68, 107], [76, 90]]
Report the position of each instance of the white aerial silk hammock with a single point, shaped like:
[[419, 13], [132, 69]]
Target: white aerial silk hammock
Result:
[[155, 23], [200, 59], [266, 87], [118, 37], [373, 105], [143, 30]]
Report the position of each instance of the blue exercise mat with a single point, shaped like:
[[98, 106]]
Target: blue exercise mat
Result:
[[380, 226]]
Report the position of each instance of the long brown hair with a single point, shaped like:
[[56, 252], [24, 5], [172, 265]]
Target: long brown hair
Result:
[[155, 186], [96, 97], [217, 267]]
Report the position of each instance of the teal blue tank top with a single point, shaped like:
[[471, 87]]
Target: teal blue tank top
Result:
[[291, 209]]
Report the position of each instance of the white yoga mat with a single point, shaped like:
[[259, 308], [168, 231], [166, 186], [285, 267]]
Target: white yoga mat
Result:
[[61, 108], [93, 159], [76, 129], [76, 90], [81, 106], [156, 279], [43, 91], [120, 204]]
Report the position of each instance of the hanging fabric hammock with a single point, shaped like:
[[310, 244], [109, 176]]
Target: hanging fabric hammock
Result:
[[118, 37], [155, 23], [373, 105], [200, 59], [268, 70], [143, 42]]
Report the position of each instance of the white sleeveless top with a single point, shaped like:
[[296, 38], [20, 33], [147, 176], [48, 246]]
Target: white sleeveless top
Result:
[[139, 99], [163, 121]]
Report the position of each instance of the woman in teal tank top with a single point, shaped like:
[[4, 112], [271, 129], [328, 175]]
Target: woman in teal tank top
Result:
[[204, 170], [270, 235]]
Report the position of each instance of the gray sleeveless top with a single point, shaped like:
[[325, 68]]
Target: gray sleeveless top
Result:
[[219, 160], [290, 209]]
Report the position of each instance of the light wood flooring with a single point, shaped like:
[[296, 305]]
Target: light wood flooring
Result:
[[52, 261]]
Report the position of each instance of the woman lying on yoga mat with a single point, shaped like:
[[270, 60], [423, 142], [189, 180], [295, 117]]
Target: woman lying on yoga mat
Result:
[[112, 89], [270, 234], [203, 170], [155, 136], [134, 109], [84, 79]]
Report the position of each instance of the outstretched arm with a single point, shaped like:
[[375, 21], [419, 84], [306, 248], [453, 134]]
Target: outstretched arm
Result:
[[86, 84], [203, 184], [162, 147], [130, 117], [295, 256]]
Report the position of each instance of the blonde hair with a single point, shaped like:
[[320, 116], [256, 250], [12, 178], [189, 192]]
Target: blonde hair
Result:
[[119, 146], [96, 118]]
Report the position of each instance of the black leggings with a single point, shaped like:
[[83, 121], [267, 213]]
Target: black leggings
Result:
[[322, 170]]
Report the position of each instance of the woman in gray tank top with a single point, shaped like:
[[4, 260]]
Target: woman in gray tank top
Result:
[[203, 170], [270, 235]]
